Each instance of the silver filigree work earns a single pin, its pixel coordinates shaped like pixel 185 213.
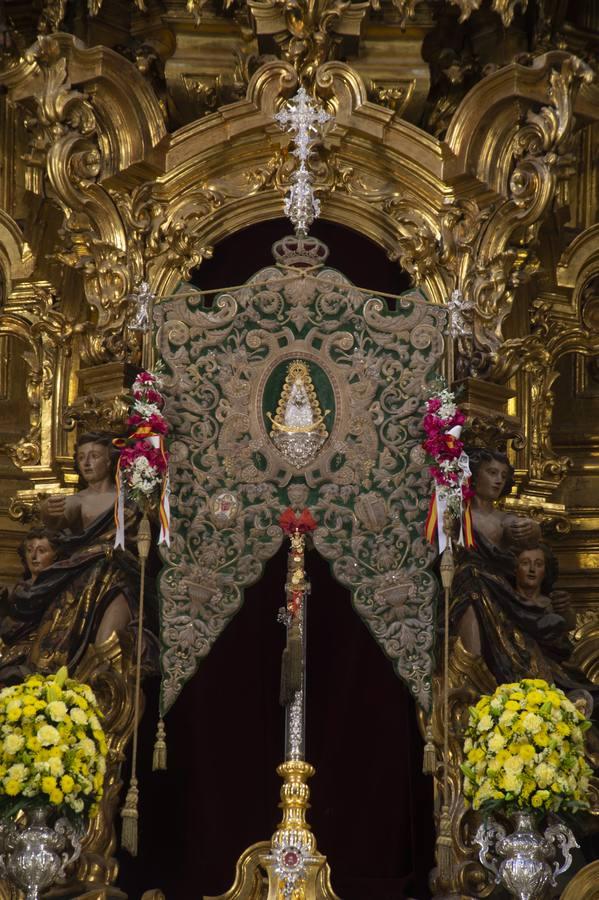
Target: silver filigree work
pixel 36 856
pixel 291 857
pixel 141 300
pixel 304 120
pixel 519 861
pixel 459 315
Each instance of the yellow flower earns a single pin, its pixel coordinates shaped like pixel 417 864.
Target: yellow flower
pixel 554 698
pixel 476 755
pixel 535 698
pixel 12 787
pixel 98 780
pixel 562 728
pixel 541 739
pixel 67 784
pixel 48 784
pixel 539 798
pixel 512 704
pixel 13 714
pixel 511 783
pixel 29 711
pixel 526 751
pixel 56 797
pixel 527 788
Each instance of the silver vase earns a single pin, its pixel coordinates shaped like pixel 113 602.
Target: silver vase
pixel 35 856
pixel 524 862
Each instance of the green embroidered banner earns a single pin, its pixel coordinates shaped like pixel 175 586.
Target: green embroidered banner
pixel 298 390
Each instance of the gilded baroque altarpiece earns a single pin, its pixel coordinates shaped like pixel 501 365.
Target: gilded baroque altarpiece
pixel 135 136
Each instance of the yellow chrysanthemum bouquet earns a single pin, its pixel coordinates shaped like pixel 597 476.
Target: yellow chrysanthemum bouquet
pixel 52 746
pixel 524 748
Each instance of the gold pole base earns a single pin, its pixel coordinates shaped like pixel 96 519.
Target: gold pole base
pixel 291 857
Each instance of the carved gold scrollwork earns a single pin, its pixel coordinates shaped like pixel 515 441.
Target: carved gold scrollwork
pixel 487 249
pixel 45 335
pixel 468 679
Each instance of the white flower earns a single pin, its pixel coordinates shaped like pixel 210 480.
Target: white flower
pixel 485 723
pixel 18 772
pixel 13 743
pixel 75 803
pixel 512 783
pixel 88 746
pixel 55 766
pixel 78 716
pixel 48 735
pixel 532 723
pixel 497 742
pixel 513 764
pixel 57 710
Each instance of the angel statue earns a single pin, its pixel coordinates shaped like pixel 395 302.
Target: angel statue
pixel 85 591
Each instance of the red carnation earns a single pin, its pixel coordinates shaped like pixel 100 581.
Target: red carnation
pixel 158 424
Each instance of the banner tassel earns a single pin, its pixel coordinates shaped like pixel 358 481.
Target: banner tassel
pixel 130 817
pixel 429 760
pixel 159 757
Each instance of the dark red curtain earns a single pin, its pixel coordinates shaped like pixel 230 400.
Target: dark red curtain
pixel 371 806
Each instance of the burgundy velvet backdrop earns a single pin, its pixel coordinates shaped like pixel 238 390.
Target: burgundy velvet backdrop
pixel 371 806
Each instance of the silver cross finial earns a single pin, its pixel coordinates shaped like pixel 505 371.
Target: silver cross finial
pixel 304 120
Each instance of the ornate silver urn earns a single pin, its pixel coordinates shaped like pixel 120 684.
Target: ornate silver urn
pixel 35 856
pixel 524 861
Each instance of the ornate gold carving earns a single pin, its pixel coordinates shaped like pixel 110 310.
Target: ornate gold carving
pixel 586 650
pixel 307 33
pixel 255 876
pixel 108 669
pixel 251 881
pixel 583 885
pixel 468 679
pixel 53 12
pixel 504 8
pixel 46 335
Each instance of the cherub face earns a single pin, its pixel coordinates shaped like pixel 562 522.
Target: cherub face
pixel 530 569
pixel 39 554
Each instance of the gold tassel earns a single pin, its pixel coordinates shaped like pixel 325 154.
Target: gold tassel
pixel 429 759
pixel 159 757
pixel 130 818
pixel 445 849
